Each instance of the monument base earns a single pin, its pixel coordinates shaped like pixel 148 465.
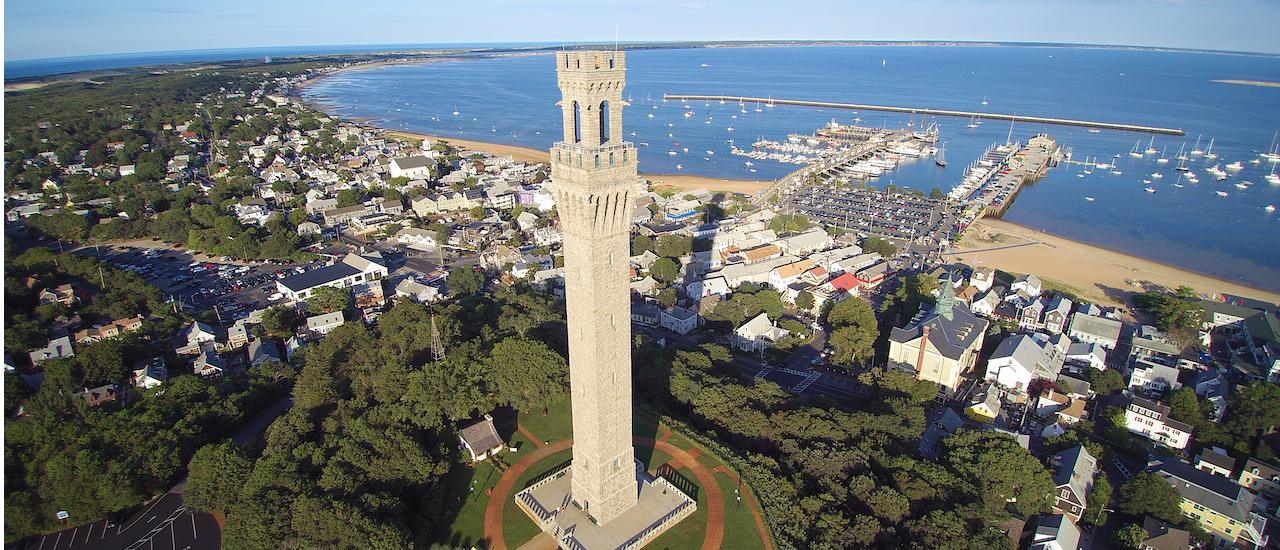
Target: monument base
pixel 659 507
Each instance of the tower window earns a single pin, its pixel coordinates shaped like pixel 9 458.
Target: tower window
pixel 624 156
pixel 558 156
pixel 604 122
pixel 610 159
pixel 597 161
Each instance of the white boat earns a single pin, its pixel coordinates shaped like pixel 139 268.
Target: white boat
pixel 711 152
pixel 1090 199
pixel 688 114
pixel 1151 148
pixel 679 167
pixel 686 149
pixel 1163 159
pixel 1270 208
pixel 1157 175
pixel 1208 151
pixel 671 152
pixel 1181 155
pixel 729 128
pixel 1195 151
pixel 1135 153
pixel 984 100
pixel 1150 190
pixel 1242 185
pixel 650 115
pixel 1221 193
pixel 1272 178
pixel 1235 166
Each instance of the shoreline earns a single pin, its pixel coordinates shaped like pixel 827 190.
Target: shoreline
pixel 1097 274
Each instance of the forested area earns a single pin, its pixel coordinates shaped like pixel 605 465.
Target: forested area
pixel 92 461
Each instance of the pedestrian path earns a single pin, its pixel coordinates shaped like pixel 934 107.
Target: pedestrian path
pixel 808 381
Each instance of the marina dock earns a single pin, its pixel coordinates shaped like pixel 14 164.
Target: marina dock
pixel 936 112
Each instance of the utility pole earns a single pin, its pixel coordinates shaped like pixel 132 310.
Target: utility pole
pixel 437 347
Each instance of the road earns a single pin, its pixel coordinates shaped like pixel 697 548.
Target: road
pixel 165 524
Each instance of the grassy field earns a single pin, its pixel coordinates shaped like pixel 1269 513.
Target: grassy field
pixel 740 529
pixel 690 532
pixel 468 524
pixel 557 425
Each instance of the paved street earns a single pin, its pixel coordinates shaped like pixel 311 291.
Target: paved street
pixel 162 525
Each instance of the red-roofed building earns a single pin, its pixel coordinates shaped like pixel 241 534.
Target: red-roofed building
pixel 847 283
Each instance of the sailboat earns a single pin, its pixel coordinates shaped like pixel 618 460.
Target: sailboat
pixel 1086 163
pixel 1134 152
pixel 455 110
pixel 1151 148
pixel 1181 154
pixel 1163 159
pixel 973 122
pixel 1196 151
pixel 1272 178
pixel 942 156
pixel 1272 153
pixel 1208 151
pixel 984 100
pixel 758 109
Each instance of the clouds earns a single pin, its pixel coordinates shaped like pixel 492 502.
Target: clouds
pixel 38 29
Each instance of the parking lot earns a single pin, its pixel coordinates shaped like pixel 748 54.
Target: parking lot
pixel 199 281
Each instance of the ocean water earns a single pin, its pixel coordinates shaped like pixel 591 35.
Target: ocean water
pixel 512 100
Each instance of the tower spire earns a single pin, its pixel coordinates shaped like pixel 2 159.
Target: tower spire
pixel 946 298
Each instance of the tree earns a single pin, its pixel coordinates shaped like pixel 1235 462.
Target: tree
pixel 937 193
pixel 328 299
pixel 1184 406
pixel 880 246
pixel 216 474
pixel 671 245
pixel 1105 381
pixel 464 280
pixel 1130 536
pixel 1098 500
pixel 1172 313
pixel 349 197
pixel 298 216
pixel 641 244
pixel 999 470
pixel 1149 494
pixel 478 213
pixel 804 300
pixel 1254 407
pixel 664 270
pixel 280 321
pixel 528 374
pixel 667 297
pixel 713 213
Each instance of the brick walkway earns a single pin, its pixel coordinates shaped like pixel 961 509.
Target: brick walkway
pixel 493 513
pixel 715 497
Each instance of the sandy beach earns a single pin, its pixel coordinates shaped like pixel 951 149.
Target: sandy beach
pixel 1095 274
pixel 675 181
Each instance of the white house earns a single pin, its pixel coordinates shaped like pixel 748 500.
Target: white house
pixel 322 324
pixel 1151 420
pixel 1020 359
pixel 416 237
pixel 679 319
pixel 708 287
pixel 353 269
pixel 1029 284
pixel 416 291
pixel 1095 330
pixel 758 333
pixel 411 167
pixel 149 373
pixel 481 439
pixel 1055 532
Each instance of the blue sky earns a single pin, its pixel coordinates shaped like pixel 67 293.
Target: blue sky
pixel 59 28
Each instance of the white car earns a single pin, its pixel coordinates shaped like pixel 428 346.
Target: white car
pixel 275 296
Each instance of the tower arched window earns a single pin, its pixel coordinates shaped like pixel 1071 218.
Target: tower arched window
pixel 597 161
pixel 604 122
pixel 610 159
pixel 577 122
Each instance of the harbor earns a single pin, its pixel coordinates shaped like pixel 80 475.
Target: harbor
pixel 937 112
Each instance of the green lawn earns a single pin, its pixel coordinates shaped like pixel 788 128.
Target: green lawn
pixel 691 531
pixel 652 458
pixel 740 529
pixel 557 425
pixel 466 506
pixel 517 528
pixel 710 461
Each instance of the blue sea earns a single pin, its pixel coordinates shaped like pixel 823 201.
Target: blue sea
pixel 512 100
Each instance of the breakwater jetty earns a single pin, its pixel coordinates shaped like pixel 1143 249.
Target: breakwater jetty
pixel 936 112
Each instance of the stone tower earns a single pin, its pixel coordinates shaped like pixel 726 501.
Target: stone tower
pixel 594 183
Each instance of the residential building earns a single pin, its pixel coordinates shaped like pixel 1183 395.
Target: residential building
pixel 63 294
pixel 237 334
pixel 208 363
pixel 99 395
pixel 1028 283
pixel 1151 420
pixel 645 313
pixel 1073 481
pixel 417 292
pixel 679 320
pixel 1020 359
pixel 263 350
pixel 411 167
pixel 322 324
pixel 1223 314
pixel 416 238
pixel 57 348
pixel 1093 329
pixel 109 330
pixel 942 423
pixel 758 333
pixel 1215 461
pixel 985 405
pixel 192 336
pixel 805 243
pixel 1055 532
pixel 1029 317
pixel 1260 477
pixel 346 214
pixel 1056 313
pixel 149 373
pixel 939 344
pixel 1163 536
pixel 1081 356
pixel 481 439
pixel 1224 509
pixel 982 278
pixel 1152 377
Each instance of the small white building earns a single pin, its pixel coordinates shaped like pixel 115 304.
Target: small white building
pixel 1151 420
pixel 322 324
pixel 678 319
pixel 758 333
pixel 149 373
pixel 481 439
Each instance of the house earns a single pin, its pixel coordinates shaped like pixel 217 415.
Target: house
pixel 1224 314
pixel 1082 355
pixel 1074 412
pixel 1027 283
pixel 1151 420
pixel 939 344
pixel 1152 377
pixel 208 363
pixel 942 423
pixel 335 216
pixel 110 330
pixel 496 257
pixel 263 350
pixel 1212 385
pixel 411 167
pixel 1073 481
pixel 782 276
pixel 527 220
pixel 369 294
pixel 1055 532
pixel 322 324
pixel 1224 509
pixel 416 291
pixel 985 304
pixel 982 278
pixel 1163 536
pixel 192 336
pixel 871 277
pixel 292 345
pixel 805 243
pixel 1074 386
pixel 985 405
pixel 679 320
pixel 1093 329
pixel 98 395
pixel 645 313
pixel 758 333
pixel 708 287
pixel 1050 402
pixel 149 373
pixel 237 334
pixel 1215 461
pixel 1055 315
pixel 1260 477
pixel 308 228
pixel 1020 359
pixel 1262 335
pixel 351 270
pixel 416 238
pixel 1029 315
pixel 57 348
pixel 63 294
pixel 481 439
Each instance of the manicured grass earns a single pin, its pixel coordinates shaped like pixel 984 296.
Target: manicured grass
pixel 710 461
pixel 517 528
pixel 656 459
pixel 681 441
pixel 691 531
pixel 740 529
pixel 467 528
pixel 557 425
pixel 518 441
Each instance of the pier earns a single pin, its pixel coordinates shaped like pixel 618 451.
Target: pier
pixel 936 112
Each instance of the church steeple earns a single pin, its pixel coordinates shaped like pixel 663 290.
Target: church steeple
pixel 946 298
